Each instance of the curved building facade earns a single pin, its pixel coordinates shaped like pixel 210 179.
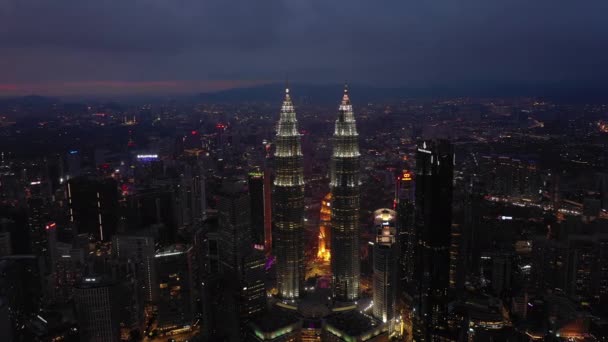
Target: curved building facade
pixel 288 204
pixel 385 266
pixel 345 204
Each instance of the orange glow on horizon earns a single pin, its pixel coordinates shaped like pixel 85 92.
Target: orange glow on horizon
pixel 121 87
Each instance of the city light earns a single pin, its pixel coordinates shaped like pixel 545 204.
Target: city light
pixel 323 252
pixel 147 157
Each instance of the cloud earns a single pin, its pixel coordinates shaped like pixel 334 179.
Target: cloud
pixel 386 42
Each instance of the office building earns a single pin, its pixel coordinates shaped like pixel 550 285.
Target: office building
pixel 5 243
pixel 138 250
pixel 434 177
pixel 256 190
pixel 97 309
pixel 288 204
pixel 385 278
pixel 175 289
pixel 234 220
pixel 345 261
pixel 93 206
pixel 406 234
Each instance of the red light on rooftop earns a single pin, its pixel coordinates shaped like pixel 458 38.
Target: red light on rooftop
pixel 194 132
pixel 50 226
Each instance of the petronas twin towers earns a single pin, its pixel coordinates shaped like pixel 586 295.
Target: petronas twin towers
pixel 289 204
pixel 345 206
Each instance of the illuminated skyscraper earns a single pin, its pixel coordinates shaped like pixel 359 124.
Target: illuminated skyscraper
pixel 404 205
pixel 345 205
pixel 175 288
pixel 288 204
pixel 385 265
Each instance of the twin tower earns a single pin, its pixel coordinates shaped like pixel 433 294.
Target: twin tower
pixel 289 205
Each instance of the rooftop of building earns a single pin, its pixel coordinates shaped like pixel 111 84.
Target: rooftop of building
pixel 93 281
pixel 274 320
pixel 352 323
pixel 171 250
pixel 233 187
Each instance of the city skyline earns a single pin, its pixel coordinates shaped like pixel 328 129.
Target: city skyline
pixel 216 221
pixel 303 171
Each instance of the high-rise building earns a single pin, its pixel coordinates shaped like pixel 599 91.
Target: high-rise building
pixel 97 309
pixel 234 216
pixel 74 164
pixel 37 216
pixel 6 329
pixel 5 243
pixel 267 203
pixel 153 207
pixel 191 197
pixel 174 277
pixel 66 271
pixel 385 266
pixel 345 204
pixel 22 282
pixel 434 177
pixel 406 237
pixel 236 293
pixel 502 272
pixel 581 273
pixel 93 206
pixel 256 191
pixel 64 263
pixel 456 260
pixel 504 175
pixel 288 204
pixel 241 261
pixel 253 290
pixel 138 250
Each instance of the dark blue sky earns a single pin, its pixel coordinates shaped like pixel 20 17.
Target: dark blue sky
pixel 62 47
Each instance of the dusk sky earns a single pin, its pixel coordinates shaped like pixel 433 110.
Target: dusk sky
pixel 66 47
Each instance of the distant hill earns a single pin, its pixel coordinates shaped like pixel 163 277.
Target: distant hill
pixel 559 92
pixel 564 92
pixel 28 101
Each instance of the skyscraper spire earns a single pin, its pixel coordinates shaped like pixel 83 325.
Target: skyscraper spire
pixel 288 124
pixel 345 206
pixel 288 203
